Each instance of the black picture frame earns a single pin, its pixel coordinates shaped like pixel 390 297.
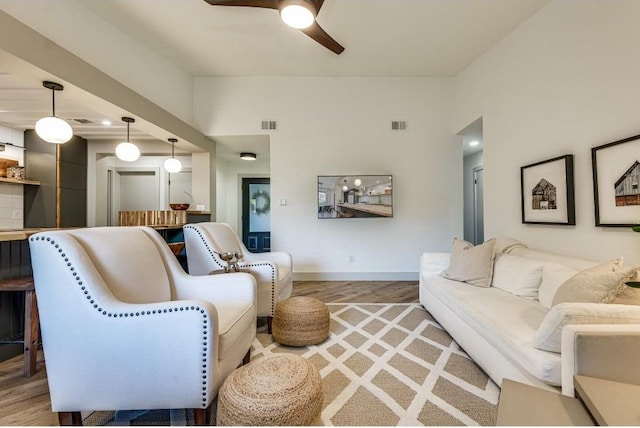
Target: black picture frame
pixel 547 192
pixel 616 188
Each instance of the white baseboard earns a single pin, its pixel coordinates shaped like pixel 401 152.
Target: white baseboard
pixel 355 276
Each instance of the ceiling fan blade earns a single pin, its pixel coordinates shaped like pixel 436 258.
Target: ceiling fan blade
pixel 318 4
pixel 267 4
pixel 319 35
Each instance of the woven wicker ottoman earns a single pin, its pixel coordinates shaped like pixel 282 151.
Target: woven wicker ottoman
pixel 300 321
pixel 279 389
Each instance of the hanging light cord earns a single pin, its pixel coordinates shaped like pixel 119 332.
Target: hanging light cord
pixel 53 102
pixel 173 144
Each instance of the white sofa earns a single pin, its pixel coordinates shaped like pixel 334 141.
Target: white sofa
pixel 497 328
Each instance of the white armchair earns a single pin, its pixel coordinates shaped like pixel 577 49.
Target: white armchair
pixel 272 270
pixel 124 327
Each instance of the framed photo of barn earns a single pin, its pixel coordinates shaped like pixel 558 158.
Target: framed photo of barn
pixel 616 182
pixel 547 192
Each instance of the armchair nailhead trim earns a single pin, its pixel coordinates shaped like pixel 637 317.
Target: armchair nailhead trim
pixel 205 316
pixel 217 261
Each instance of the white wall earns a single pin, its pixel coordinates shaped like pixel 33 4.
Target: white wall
pixel 562 83
pixel 334 126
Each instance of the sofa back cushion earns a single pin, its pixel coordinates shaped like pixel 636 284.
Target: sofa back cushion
pixel 573 262
pixel 553 276
pixel 473 265
pixel 517 275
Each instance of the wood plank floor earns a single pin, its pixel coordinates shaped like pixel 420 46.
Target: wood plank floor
pixel 25 401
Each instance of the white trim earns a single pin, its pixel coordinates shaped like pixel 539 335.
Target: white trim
pixel 355 276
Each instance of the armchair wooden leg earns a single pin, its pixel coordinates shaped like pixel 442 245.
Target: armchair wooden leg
pixel 31 333
pixel 247 358
pixel 69 419
pixel 202 416
pixel 269 324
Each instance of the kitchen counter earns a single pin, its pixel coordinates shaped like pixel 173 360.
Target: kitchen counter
pixel 23 234
pixel 380 210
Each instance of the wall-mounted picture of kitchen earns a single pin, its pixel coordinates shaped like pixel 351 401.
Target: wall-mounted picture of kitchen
pixel 355 196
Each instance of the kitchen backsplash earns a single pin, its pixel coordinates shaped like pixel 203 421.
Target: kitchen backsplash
pixel 12 195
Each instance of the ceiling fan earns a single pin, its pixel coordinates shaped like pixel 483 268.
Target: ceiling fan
pixel 299 14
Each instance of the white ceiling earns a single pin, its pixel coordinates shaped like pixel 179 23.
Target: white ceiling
pixel 389 38
pixel 381 37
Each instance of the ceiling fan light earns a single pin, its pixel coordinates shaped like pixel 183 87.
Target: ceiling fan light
pixel 54 130
pixel 127 151
pixel 297 13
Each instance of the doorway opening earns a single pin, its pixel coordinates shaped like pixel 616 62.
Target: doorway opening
pixel 473 182
pixel 256 214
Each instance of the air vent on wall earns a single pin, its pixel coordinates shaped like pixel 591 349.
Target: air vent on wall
pixel 269 125
pixel 398 125
pixel 83 121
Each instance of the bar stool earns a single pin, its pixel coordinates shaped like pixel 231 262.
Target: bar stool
pixel 31 320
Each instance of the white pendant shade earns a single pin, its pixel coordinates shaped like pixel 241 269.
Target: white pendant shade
pixel 127 151
pixel 173 165
pixel 297 14
pixel 54 130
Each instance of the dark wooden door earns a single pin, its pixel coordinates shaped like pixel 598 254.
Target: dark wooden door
pixel 256 214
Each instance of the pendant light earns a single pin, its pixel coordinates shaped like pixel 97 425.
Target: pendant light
pixel 52 129
pixel 173 165
pixel 127 151
pixel 297 13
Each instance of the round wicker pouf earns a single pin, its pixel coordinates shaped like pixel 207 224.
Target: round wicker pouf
pixel 278 389
pixel 300 321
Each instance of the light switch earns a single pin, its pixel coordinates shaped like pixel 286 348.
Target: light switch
pixel 283 202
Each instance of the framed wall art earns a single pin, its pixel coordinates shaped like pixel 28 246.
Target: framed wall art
pixel 547 192
pixel 616 177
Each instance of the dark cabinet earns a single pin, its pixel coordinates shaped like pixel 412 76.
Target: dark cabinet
pixel 61 169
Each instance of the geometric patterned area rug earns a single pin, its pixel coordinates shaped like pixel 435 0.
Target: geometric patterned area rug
pixel 382 365
pixel 393 364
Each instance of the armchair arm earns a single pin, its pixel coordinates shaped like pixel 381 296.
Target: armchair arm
pixel 239 286
pixel 434 263
pixel 607 351
pixel 280 258
pixel 129 350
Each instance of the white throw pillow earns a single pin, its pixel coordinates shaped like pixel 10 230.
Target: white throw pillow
pixel 599 284
pixel 470 264
pixel 517 275
pixel 553 276
pixel 549 334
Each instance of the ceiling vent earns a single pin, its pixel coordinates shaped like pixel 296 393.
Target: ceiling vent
pixel 269 125
pixel 83 121
pixel 398 125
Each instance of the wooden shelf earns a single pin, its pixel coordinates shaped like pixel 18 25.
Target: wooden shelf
pixel 15 181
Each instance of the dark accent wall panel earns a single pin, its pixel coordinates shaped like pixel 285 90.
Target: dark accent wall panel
pixel 59 168
pixel 73 208
pixel 72 183
pixel 40 165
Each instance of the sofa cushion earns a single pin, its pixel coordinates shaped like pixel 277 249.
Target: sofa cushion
pixel 506 321
pixel 553 276
pixel 517 275
pixel 548 337
pixel 599 284
pixel 470 264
